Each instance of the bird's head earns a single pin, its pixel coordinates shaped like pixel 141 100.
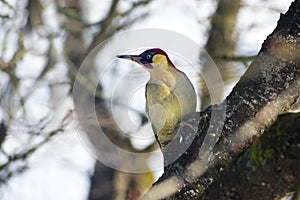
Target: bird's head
pixel 151 59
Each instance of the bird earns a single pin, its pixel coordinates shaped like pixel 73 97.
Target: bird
pixel 170 95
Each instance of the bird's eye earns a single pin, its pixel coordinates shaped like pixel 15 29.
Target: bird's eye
pixel 148 57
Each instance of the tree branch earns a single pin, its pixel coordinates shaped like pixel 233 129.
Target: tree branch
pixel 107 30
pixel 7 4
pixel 5 168
pixel 267 170
pixel 269 87
pixel 234 58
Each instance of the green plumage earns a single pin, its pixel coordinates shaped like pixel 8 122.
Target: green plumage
pixel 170 96
pixel 168 100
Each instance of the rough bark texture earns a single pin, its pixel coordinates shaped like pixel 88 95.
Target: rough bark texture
pixel 267 170
pixel 268 88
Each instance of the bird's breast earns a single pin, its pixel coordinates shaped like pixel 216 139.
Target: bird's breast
pixel 161 103
pixel 168 100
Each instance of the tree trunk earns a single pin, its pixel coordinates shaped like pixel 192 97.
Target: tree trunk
pixel 221 41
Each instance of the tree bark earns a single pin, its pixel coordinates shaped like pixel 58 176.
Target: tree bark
pixel 267 170
pixel 270 86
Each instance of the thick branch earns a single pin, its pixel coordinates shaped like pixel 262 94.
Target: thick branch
pixel 267 170
pixel 269 87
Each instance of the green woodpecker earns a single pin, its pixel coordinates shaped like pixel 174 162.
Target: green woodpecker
pixel 169 93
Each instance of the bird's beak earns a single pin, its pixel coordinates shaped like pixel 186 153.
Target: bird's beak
pixel 135 58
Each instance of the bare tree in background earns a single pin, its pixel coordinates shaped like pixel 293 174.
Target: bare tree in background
pixel 69 33
pixel 222 40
